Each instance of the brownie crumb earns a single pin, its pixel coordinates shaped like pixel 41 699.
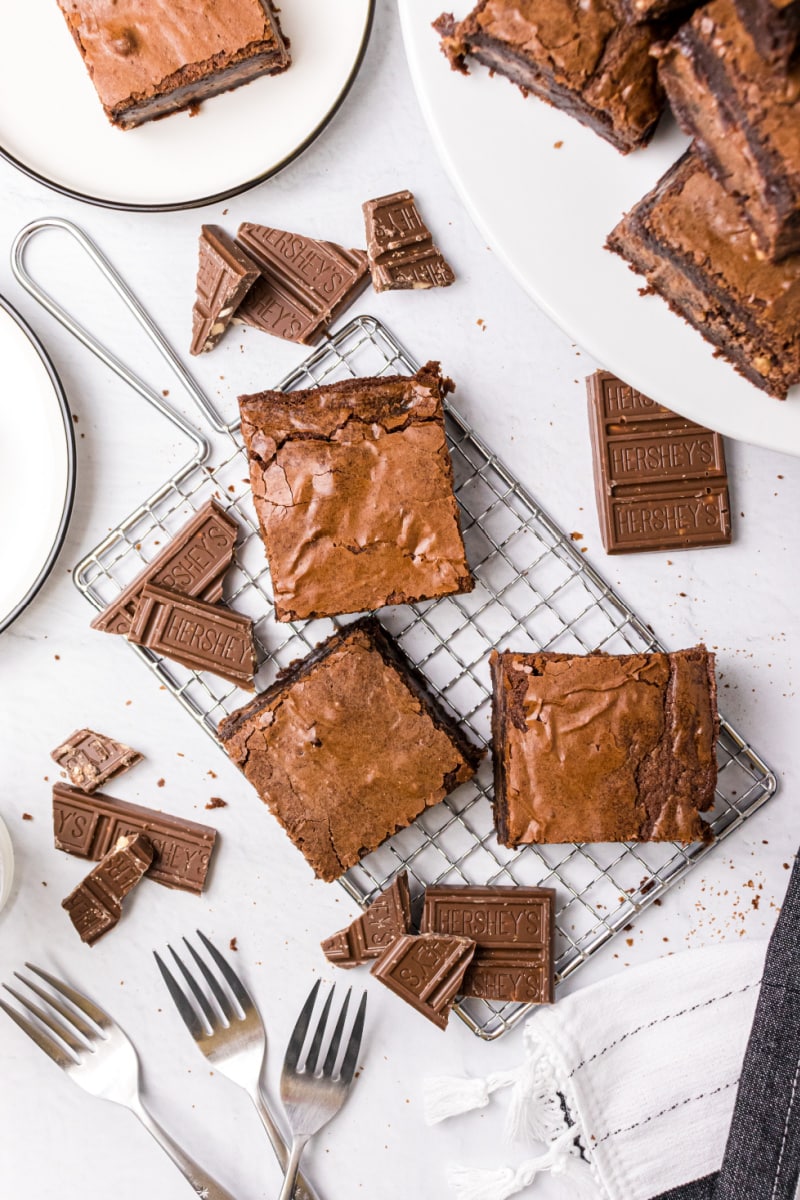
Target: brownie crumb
pixel 160 783
pixel 232 944
pixel 217 802
pixel 27 817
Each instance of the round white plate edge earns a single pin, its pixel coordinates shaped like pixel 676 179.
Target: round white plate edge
pixel 230 106
pixel 778 429
pixel 53 539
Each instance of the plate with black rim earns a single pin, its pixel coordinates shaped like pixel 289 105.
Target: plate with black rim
pixel 53 127
pixel 37 465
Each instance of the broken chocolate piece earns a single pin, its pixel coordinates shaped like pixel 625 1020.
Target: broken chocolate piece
pixel 194 562
pixel 386 918
pixel 427 971
pixel 304 283
pixel 90 759
pixel 513 929
pixel 660 480
pixel 89 825
pixel 202 637
pixel 225 275
pixel 400 247
pixel 95 906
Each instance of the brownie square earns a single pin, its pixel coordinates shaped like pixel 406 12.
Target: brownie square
pixel 149 58
pixel 348 747
pixel 690 241
pixel 604 748
pixel 353 487
pixel 587 59
pixel 744 117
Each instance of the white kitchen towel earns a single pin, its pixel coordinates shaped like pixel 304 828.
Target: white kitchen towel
pixel 630 1083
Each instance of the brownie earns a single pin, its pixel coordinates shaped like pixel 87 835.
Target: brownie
pixel 348 747
pixel 353 487
pixel 587 59
pixel 690 241
pixel 774 26
pixel 744 116
pixel 655 10
pixel 602 747
pixel 149 58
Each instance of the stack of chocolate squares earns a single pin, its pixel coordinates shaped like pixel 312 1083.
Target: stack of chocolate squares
pixel 492 943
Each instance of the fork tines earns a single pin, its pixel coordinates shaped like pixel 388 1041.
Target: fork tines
pixel 310 1060
pixel 62 1032
pixel 233 1004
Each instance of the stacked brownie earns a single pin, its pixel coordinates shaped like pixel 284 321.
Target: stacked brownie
pixel 718 237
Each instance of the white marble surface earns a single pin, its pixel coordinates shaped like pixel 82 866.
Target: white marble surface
pixel 521 384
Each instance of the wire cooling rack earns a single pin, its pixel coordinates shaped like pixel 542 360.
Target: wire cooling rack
pixel 533 590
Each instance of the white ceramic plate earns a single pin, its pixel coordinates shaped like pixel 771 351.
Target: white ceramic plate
pixel 52 124
pixel 37 465
pixel 547 211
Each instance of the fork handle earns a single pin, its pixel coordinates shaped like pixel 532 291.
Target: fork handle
pixel 303 1189
pixel 292 1167
pixel 203 1183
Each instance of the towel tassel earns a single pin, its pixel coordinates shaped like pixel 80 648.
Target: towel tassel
pixel 475 1183
pixel 448 1095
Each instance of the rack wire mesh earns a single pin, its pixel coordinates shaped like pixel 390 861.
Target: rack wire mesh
pixel 534 590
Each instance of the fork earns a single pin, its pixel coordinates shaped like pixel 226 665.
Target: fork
pixel 236 1043
pixel 100 1058
pixel 311 1098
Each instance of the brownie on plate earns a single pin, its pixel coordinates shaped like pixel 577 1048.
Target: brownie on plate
pixel 353 487
pixel 149 58
pixel 602 747
pixel 585 58
pixel 692 244
pixel 744 116
pixel 348 747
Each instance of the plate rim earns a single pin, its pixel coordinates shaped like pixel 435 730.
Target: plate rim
pixel 217 197
pixel 72 473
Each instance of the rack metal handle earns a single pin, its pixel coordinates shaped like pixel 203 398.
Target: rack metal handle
pixel 87 339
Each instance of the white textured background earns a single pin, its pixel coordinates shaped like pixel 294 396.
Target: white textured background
pixel 521 385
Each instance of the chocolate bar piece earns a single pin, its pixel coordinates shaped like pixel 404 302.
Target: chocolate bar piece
pixel 660 480
pixel 193 562
pixel 304 283
pixel 427 971
pixel 202 637
pixel 90 759
pixel 89 825
pixel 387 918
pixel 225 275
pixel 95 906
pixel 513 930
pixel 400 248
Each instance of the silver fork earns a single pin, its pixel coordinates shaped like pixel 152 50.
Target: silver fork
pixel 98 1055
pixel 235 1042
pixel 310 1097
